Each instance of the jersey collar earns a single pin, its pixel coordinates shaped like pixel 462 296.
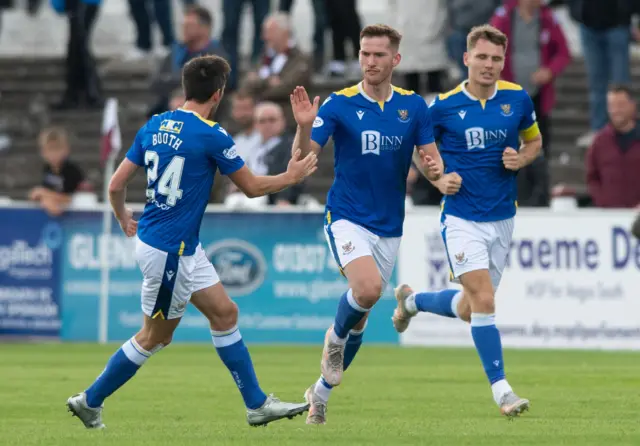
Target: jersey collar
pixel 369 98
pixel 463 85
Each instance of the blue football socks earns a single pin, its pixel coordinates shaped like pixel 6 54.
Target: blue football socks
pixel 442 303
pixel 235 356
pixel 348 315
pixel 121 367
pixel 486 338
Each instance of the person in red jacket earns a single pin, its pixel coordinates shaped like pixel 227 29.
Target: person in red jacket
pixel 536 55
pixel 613 160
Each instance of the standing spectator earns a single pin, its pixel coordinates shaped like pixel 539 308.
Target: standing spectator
pixel 232 10
pixel 82 81
pixel 143 17
pixel 196 29
pixel 283 66
pixel 62 177
pixel 345 26
pixel 537 53
pixel 319 26
pixel 423 43
pixel 613 160
pixel 605 34
pixel 462 16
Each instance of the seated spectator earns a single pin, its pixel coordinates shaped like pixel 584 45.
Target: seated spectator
pixel 62 177
pixel 177 99
pixel 196 29
pixel 613 160
pixel 270 156
pixel 243 127
pixel 283 66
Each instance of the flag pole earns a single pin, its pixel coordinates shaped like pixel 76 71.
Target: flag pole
pixel 111 142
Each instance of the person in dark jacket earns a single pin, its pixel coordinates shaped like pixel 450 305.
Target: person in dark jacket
pixel 196 29
pixel 82 80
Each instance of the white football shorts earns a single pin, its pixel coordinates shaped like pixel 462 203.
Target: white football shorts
pixel 349 241
pixel 473 246
pixel 169 280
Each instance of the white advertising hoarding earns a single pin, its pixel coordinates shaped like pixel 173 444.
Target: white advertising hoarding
pixel 572 281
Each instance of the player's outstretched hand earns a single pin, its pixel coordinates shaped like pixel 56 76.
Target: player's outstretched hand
pixel 304 111
pixel 432 169
pixel 299 169
pixel 449 184
pixel 128 224
pixel 511 159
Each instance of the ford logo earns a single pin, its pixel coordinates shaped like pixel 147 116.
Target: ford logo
pixel 240 265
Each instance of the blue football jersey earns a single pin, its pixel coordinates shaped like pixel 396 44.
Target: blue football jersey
pixel 471 135
pixel 180 152
pixel 374 143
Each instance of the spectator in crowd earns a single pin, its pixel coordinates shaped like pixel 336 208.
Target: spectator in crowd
pixel 144 13
pixel 62 177
pixel 232 10
pixel 423 43
pixel 243 128
pixel 270 156
pixel 345 26
pixel 536 55
pixel 177 99
pixel 613 160
pixel 605 35
pixel 463 15
pixel 196 29
pixel 319 27
pixel 82 81
pixel 283 66
pixel 421 191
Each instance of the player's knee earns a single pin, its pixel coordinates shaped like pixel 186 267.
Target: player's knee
pixel 482 302
pixel 225 317
pixel 367 292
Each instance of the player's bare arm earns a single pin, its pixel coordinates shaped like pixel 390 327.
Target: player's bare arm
pixel 529 151
pixel 305 112
pixel 118 194
pixel 256 186
pixel 429 160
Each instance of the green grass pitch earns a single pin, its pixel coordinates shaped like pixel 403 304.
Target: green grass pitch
pixel 391 396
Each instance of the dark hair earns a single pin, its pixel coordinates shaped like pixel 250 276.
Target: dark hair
pixel 621 88
pixel 381 30
pixel 488 33
pixel 203 14
pixel 244 94
pixel 203 76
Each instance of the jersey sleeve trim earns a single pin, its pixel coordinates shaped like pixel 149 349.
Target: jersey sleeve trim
pixel 530 133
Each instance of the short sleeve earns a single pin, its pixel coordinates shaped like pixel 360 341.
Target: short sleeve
pixel 325 123
pixel 528 126
pixel 425 126
pixel 73 178
pixel 223 152
pixel 434 118
pixel 135 154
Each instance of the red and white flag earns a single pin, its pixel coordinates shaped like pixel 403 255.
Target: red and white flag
pixel 111 137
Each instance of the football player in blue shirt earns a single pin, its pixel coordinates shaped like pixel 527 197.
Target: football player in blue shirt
pixel 376 128
pixel 180 151
pixel 479 125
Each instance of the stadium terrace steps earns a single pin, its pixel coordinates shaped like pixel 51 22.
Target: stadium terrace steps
pixel 29 84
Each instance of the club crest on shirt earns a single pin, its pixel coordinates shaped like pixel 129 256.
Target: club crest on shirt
pixel 347 248
pixel 403 115
pixel 461 259
pixel 506 110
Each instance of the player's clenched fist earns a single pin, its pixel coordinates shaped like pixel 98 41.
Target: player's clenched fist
pixel 299 169
pixel 511 159
pixel 128 224
pixel 304 111
pixel 449 184
pixel 431 168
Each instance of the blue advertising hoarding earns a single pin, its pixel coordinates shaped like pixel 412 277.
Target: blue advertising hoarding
pixel 30 245
pixel 275 266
